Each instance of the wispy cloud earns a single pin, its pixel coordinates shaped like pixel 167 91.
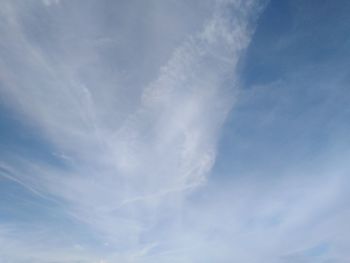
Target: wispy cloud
pixel 136 135
pixel 126 101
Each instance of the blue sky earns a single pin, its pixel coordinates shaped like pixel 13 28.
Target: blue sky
pixel 174 131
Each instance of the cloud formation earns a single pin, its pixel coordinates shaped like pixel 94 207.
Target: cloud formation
pixel 133 117
pixel 119 142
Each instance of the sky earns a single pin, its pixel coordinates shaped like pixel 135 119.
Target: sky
pixel 174 131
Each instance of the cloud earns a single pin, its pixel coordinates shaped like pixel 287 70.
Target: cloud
pixel 137 126
pixel 129 99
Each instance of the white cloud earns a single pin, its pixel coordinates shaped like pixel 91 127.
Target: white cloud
pixel 135 143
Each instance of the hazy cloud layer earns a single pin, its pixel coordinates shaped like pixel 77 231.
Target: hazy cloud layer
pixel 131 102
pixel 122 145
